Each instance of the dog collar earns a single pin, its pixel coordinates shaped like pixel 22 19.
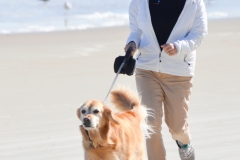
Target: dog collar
pixel 90 141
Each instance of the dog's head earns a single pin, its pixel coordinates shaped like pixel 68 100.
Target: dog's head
pixel 95 115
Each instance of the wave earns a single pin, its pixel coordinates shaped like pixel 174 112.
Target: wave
pixel 216 15
pixel 85 21
pixel 73 22
pixel 106 15
pixel 4 31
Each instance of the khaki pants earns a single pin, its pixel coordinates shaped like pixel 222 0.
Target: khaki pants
pixel 158 90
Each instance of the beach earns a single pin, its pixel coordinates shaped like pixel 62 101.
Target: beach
pixel 45 77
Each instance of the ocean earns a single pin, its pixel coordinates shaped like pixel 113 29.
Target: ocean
pixel 23 16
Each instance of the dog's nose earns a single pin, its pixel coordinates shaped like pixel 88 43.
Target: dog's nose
pixel 86 122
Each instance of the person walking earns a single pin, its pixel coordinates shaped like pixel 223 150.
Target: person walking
pixel 166 34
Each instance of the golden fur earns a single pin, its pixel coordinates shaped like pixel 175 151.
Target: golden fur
pixel 115 136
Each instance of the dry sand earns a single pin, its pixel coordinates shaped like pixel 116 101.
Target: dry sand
pixel 44 77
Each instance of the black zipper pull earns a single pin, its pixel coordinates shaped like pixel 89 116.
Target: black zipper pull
pixel 187 62
pixel 139 56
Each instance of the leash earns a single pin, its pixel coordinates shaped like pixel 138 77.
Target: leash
pixel 115 78
pixel 127 56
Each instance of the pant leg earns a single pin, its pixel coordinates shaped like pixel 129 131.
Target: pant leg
pixel 177 92
pixel 152 96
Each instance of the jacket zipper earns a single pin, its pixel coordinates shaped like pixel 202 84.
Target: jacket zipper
pixel 160 61
pixel 160 54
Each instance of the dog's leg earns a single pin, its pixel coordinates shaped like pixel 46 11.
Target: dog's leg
pixel 85 156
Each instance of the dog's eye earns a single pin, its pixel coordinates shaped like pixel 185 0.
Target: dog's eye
pixel 83 111
pixel 96 111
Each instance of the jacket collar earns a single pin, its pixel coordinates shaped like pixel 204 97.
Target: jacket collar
pixel 187 1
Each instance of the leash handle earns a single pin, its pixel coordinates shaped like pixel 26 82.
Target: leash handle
pixel 129 52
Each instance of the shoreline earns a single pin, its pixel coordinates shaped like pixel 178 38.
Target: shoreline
pixel 100 28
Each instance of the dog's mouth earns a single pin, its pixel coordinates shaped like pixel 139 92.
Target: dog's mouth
pixel 89 124
pixel 88 127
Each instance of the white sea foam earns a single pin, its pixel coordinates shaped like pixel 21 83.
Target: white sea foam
pixel 104 15
pixel 35 28
pixel 77 22
pixel 105 19
pixel 5 31
pixel 214 15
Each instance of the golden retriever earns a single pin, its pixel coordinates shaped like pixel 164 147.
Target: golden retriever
pixel 114 136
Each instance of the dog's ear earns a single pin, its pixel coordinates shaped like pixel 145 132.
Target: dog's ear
pixel 84 134
pixel 107 118
pixel 108 113
pixel 78 113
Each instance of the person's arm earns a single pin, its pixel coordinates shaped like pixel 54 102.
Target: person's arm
pixel 134 37
pixel 196 34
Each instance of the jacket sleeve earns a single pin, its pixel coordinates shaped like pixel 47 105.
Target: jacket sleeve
pixel 135 32
pixel 197 32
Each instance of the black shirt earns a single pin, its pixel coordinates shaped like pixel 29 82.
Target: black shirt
pixel 164 16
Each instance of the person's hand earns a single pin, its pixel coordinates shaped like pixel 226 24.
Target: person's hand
pixel 131 44
pixel 170 49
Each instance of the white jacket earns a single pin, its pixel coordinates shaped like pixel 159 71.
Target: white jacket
pixel 187 35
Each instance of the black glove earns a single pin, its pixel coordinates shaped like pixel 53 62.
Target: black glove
pixel 129 65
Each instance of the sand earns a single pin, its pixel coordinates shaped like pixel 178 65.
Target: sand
pixel 44 77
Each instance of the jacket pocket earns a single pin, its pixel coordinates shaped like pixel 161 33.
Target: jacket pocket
pixel 189 59
pixel 186 62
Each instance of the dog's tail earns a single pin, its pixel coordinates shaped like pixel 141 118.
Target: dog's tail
pixel 125 99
